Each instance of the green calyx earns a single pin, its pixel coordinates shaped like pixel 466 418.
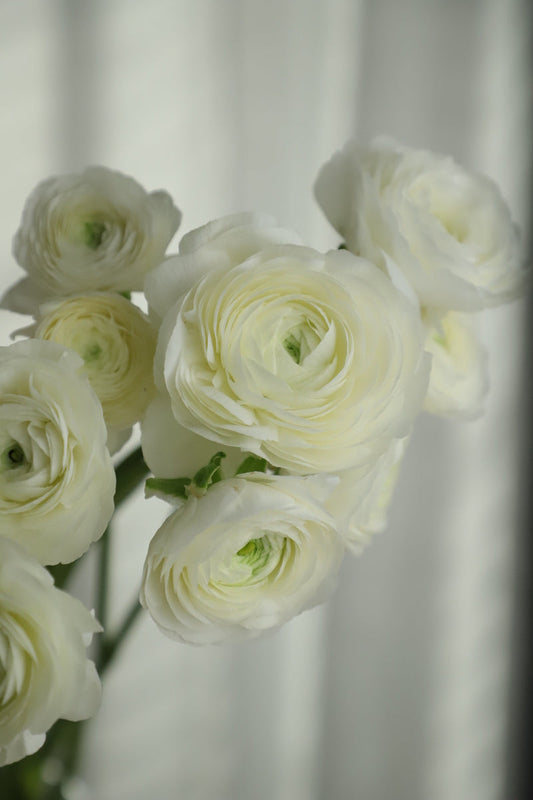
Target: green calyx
pixel 183 488
pixel 252 464
pixel 211 473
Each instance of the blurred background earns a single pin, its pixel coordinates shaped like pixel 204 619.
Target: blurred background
pixel 400 688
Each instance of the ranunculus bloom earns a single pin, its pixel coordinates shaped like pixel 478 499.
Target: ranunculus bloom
pixel 458 382
pixel 97 230
pixel 117 344
pixel 246 557
pixel 362 497
pixel 56 477
pixel 44 670
pixel 223 242
pixel 314 362
pixel 447 229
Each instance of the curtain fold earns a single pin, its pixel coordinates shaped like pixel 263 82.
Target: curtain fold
pixel 397 688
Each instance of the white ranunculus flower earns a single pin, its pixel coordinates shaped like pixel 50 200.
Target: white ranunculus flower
pixel 117 344
pixel 314 362
pixel 56 477
pixel 246 557
pixel 221 243
pixel 44 671
pixel 449 230
pixel 458 382
pixel 362 497
pixel 97 230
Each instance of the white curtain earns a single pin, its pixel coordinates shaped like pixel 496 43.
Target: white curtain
pixel 395 689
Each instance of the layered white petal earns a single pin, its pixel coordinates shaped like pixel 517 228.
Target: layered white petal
pixel 362 497
pixel 459 380
pixel 56 477
pixel 243 559
pixel 172 451
pixel 221 243
pixel 314 362
pixel 448 230
pixel 117 344
pixel 44 670
pixel 97 230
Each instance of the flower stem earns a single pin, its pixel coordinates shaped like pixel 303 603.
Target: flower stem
pixel 110 645
pixel 103 577
pixel 42 775
pixel 130 473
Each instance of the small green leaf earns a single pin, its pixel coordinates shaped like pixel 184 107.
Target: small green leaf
pixel 211 473
pixel 127 295
pixel 252 464
pixel 172 487
pixel 342 246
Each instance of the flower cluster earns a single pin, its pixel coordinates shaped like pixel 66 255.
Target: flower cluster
pixel 447 234
pixel 69 394
pixel 276 387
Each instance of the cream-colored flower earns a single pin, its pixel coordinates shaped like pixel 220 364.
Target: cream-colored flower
pixel 223 242
pixel 56 477
pixel 243 559
pixel 458 381
pixel 44 671
pixel 97 230
pixel 362 497
pixel 117 344
pixel 314 362
pixel 449 230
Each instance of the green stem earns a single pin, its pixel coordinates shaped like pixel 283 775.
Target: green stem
pixel 42 775
pixel 130 473
pixel 111 645
pixel 24 780
pixel 103 577
pixel 65 749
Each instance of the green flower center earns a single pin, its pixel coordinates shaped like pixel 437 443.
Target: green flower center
pixel 259 558
pixel 91 353
pixel 12 457
pixel 255 554
pixel 258 562
pixel 300 341
pixel 293 348
pixel 94 232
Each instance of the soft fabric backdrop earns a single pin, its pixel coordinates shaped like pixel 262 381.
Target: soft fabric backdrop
pixel 396 689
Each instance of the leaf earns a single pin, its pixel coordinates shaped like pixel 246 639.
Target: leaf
pixel 211 473
pixel 171 487
pixel 252 464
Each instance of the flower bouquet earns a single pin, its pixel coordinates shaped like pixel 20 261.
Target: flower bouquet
pixel 275 386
